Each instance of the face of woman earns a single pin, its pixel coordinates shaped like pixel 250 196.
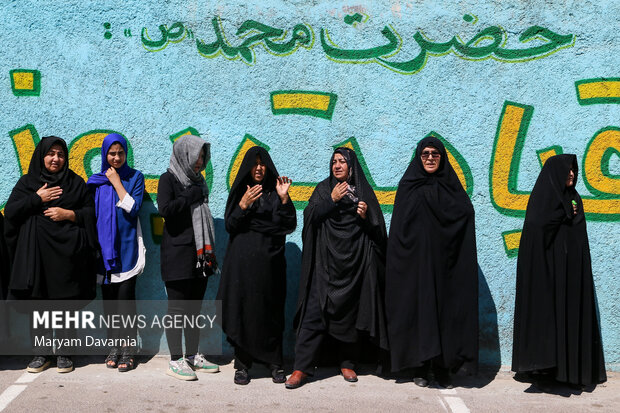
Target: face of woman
pixel 116 156
pixel 430 159
pixel 340 168
pixel 258 171
pixel 570 179
pixel 200 161
pixel 54 160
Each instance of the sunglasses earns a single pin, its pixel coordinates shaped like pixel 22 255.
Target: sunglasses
pixel 428 154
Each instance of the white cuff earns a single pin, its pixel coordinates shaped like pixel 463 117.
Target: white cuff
pixel 126 203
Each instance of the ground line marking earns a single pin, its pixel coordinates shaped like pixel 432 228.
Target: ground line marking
pixel 456 405
pixel 10 393
pixel 27 378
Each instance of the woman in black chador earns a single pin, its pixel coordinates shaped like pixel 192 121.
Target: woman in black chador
pixel 259 215
pixel 431 271
pixel 556 328
pixel 343 264
pixel 51 237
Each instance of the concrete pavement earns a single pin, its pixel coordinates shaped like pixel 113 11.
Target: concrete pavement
pixel 93 388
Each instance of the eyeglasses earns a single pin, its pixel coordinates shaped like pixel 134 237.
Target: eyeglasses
pixel 428 154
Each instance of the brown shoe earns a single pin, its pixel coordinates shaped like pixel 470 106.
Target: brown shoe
pixel 349 375
pixel 297 379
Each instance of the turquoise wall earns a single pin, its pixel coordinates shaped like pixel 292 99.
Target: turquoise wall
pixel 505 84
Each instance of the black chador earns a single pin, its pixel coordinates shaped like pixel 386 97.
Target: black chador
pixel 50 259
pixel 432 272
pixel 343 265
pixel 253 284
pixel 555 325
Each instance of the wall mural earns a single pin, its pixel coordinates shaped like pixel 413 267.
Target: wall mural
pixel 503 86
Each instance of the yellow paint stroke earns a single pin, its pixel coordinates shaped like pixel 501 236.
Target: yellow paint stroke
pixel 543 156
pixel 24 144
pixel 504 198
pixel 593 160
pixel 151 185
pixel 385 197
pixel 457 168
pixel 247 144
pixel 300 193
pixel 512 240
pixel 504 151
pixel 301 101
pixel 80 147
pixel 602 89
pixel 23 80
pixel 157 226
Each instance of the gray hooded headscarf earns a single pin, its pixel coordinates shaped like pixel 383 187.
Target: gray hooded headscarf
pixel 185 152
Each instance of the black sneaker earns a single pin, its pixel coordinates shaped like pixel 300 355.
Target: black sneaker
pixel 420 381
pixel 38 364
pixel 443 378
pixel 277 375
pixel 242 377
pixel 64 364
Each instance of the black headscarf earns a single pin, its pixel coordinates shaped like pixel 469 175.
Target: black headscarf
pixel 343 258
pixel 243 179
pixel 50 259
pixel 555 322
pixel 37 167
pixel 432 271
pixel 253 283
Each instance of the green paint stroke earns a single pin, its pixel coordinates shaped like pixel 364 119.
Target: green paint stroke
pixel 209 168
pixel 460 159
pixel 556 149
pixel 513 175
pixel 353 18
pixel 609 152
pixel 510 252
pixel 33 134
pixel 246 138
pixel 93 152
pixel 300 108
pixel 360 157
pixel 613 82
pixel 36 82
pixel 605 159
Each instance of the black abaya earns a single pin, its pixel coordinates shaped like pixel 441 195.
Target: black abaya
pixel 431 271
pixel 50 259
pixel 343 261
pixel 253 283
pixel 555 323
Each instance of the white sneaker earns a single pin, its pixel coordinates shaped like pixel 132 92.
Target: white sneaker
pixel 200 363
pixel 180 369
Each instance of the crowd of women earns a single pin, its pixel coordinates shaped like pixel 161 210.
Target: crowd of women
pixel 407 300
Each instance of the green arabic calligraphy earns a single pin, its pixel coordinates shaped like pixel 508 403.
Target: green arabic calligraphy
pixel 487 43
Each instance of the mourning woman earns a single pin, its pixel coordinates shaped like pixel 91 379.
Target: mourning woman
pixel 343 264
pixel 556 330
pixel 431 271
pixel 118 191
pixel 187 250
pixel 51 236
pixel 259 215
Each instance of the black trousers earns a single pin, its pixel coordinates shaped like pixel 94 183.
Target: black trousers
pixel 308 347
pixel 184 298
pixel 243 361
pixel 120 298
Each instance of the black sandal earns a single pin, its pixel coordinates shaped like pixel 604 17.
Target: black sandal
pixel 126 360
pixel 111 361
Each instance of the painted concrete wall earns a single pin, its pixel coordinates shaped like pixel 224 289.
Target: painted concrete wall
pixel 505 84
